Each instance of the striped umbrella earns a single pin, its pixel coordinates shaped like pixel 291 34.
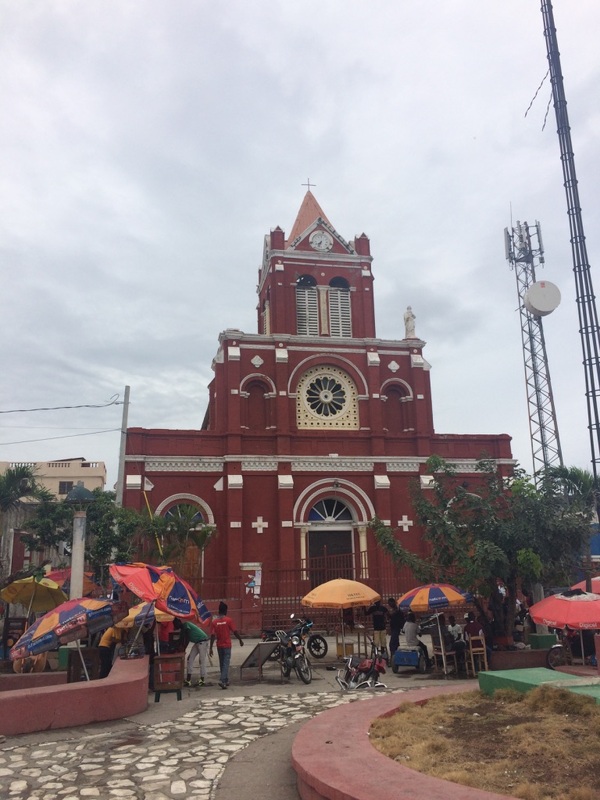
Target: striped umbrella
pixel 143 614
pixel 162 586
pixel 66 623
pixel 434 597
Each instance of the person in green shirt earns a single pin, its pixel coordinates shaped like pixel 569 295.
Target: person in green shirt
pixel 199 650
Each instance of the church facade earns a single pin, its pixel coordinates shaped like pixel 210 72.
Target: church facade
pixel 314 425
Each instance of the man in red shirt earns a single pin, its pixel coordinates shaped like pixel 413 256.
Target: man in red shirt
pixel 221 629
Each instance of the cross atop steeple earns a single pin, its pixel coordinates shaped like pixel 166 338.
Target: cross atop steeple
pixel 308 184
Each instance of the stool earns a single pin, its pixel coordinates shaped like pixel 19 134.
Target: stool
pixel 168 675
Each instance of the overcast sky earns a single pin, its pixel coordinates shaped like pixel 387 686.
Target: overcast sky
pixel 147 147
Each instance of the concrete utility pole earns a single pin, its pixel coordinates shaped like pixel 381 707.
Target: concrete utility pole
pixel 121 474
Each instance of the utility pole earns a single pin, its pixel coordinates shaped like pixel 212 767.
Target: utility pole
pixel 121 473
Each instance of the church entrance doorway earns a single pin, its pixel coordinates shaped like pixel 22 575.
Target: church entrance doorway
pixel 330 542
pixel 330 555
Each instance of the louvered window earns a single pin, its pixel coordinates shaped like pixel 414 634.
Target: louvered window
pixel 340 319
pixel 307 311
pixel 266 318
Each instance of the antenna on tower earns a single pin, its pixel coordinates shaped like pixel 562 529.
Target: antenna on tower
pixel 524 251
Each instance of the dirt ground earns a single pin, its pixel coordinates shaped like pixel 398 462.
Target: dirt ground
pixel 537 746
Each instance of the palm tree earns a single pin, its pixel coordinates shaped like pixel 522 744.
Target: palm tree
pixel 580 488
pixel 16 484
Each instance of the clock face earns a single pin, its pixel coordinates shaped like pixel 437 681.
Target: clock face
pixel 321 241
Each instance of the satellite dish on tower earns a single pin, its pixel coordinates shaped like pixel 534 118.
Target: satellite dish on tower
pixel 542 298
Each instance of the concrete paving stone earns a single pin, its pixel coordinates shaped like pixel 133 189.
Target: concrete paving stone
pixel 193 748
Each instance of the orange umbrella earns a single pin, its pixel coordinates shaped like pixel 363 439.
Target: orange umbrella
pixel 340 593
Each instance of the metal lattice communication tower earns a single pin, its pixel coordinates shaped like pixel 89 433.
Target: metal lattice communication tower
pixel 586 300
pixel 524 251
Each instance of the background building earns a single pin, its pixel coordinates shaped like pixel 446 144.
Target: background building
pixel 58 477
pixel 314 426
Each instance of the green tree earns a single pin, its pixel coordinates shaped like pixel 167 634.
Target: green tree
pixel 16 484
pixel 111 531
pixel 169 538
pixel 494 535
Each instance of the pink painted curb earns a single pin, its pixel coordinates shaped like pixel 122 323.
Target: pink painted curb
pixel 335 760
pixel 123 693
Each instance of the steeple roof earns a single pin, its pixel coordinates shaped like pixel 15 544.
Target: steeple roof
pixel 310 210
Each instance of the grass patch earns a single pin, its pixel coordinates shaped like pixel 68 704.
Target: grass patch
pixel 542 745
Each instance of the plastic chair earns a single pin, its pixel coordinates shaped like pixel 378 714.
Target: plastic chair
pixel 477 655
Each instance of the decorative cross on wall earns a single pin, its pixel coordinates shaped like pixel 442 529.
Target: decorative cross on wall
pixel 260 524
pixel 405 523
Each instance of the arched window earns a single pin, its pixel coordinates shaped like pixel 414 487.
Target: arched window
pixel 307 306
pixel 340 318
pixel 255 417
pixel 396 410
pixel 185 514
pixel 329 510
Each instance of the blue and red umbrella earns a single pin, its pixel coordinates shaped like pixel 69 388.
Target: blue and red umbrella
pixel 68 622
pixel 161 586
pixel 433 597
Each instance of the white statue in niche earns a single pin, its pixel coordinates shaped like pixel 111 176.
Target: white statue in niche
pixel 409 324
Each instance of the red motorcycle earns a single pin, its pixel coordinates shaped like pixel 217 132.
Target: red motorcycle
pixel 362 673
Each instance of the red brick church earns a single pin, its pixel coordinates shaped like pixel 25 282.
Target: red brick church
pixel 313 427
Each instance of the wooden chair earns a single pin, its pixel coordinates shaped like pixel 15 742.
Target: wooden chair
pixel 442 658
pixel 477 655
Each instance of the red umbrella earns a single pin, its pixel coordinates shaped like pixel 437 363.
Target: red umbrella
pixel 160 585
pixel 573 608
pixel 63 578
pixel 595 585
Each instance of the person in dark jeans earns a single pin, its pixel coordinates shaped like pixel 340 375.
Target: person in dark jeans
pixel 397 620
pixel 380 616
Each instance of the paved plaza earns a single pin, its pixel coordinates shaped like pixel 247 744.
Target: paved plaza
pixel 208 745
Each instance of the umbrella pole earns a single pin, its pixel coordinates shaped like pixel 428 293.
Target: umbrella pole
pixel 442 646
pixel 87 677
pixel 30 604
pixel 139 630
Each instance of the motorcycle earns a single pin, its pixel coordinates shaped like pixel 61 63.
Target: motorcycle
pixel 293 656
pixel 362 673
pixel 315 643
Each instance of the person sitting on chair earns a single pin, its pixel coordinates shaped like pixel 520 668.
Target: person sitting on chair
pixel 410 631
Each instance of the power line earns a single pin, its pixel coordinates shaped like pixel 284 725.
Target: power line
pixel 69 436
pixel 114 401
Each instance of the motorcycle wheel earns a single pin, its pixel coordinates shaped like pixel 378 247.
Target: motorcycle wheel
pixel 395 668
pixel 285 671
pixel 422 665
pixel 303 670
pixel 556 657
pixel 317 646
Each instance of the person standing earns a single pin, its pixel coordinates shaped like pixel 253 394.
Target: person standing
pixel 108 643
pixel 199 650
pixel 397 620
pixel 380 616
pixel 221 629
